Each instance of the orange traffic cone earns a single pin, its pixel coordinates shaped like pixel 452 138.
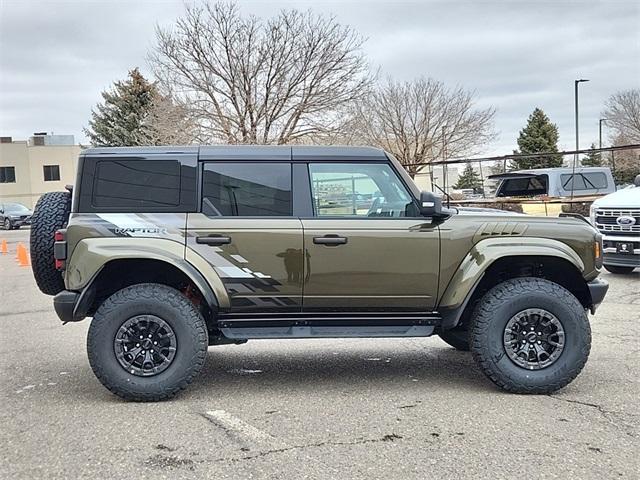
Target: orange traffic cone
pixel 23 257
pixel 3 247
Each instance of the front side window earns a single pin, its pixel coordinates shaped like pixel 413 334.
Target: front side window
pixel 51 173
pixel 247 189
pixel 359 190
pixel 7 174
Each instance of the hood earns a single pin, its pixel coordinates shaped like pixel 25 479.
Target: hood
pixel 625 198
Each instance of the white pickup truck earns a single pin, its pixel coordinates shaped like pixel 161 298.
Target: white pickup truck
pixel 617 217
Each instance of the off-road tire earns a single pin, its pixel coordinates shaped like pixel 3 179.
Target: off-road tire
pixel 492 315
pixel 172 307
pixel 457 338
pixel 51 213
pixel 619 270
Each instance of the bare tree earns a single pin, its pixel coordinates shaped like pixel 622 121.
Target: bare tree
pixel 622 111
pixel 169 123
pixel 421 120
pixel 248 80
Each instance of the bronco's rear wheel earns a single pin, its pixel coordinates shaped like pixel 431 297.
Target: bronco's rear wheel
pixel 51 213
pixel 147 342
pixel 530 335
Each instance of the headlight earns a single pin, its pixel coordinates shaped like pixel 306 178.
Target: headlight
pixel 592 215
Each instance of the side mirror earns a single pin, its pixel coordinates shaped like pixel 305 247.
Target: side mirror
pixel 430 205
pixel 636 181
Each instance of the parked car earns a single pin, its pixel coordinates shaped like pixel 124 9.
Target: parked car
pixel 555 182
pixel 173 249
pixel 617 217
pixel 548 191
pixel 14 215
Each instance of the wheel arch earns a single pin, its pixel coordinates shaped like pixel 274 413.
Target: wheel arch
pixel 501 259
pixel 100 266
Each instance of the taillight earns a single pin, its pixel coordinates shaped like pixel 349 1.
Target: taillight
pixel 60 249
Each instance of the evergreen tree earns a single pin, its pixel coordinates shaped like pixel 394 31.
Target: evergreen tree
pixel 538 136
pixel 121 119
pixel 469 179
pixel 592 159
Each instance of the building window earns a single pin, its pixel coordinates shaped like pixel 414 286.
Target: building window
pixel 51 173
pixel 7 174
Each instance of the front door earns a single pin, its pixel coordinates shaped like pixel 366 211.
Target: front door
pixel 246 231
pixel 366 248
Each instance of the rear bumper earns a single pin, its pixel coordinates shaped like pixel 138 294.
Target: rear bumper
pixel 598 289
pixel 72 306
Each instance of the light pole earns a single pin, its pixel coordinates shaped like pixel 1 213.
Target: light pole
pixel 600 131
pixel 444 158
pixel 575 156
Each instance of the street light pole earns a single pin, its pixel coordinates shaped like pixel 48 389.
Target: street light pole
pixel 444 158
pixel 575 157
pixel 600 131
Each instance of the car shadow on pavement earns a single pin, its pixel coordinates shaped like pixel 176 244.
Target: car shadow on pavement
pixel 337 368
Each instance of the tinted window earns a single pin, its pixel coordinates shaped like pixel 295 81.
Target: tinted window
pixel 51 173
pixel 359 189
pixel 247 189
pixel 584 181
pixel 518 187
pixel 136 184
pixel 7 174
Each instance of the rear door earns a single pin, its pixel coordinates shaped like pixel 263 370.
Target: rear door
pixel 246 230
pixel 366 247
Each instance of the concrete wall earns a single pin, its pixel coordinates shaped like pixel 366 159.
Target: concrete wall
pixel 28 162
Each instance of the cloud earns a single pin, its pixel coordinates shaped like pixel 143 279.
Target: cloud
pixel 56 57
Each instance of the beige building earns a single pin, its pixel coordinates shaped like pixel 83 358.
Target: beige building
pixel 44 163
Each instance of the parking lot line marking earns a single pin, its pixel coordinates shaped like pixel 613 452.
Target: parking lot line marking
pixel 242 429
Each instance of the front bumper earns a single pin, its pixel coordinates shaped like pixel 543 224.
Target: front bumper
pixel 598 289
pixel 622 259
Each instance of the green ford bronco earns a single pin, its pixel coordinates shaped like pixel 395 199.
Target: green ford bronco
pixel 173 249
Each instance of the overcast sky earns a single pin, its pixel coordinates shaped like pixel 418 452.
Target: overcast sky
pixel 57 56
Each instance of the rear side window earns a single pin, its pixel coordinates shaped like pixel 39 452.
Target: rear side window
pixel 164 184
pixel 584 181
pixel 247 189
pixel 523 187
pixel 137 184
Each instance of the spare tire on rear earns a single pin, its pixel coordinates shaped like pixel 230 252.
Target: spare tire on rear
pixel 51 213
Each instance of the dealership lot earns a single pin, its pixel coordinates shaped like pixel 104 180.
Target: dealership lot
pixel 397 408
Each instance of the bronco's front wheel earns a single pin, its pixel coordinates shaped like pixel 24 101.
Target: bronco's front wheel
pixel 147 342
pixel 530 335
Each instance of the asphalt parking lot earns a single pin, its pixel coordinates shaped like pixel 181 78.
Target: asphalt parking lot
pixel 385 408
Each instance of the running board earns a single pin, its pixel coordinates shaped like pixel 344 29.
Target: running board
pixel 328 325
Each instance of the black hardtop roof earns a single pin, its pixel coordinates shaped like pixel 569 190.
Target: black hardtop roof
pixel 250 152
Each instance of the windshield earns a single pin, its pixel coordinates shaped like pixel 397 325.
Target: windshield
pixel 15 208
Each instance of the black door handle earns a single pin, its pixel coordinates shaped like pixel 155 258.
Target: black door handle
pixel 330 240
pixel 213 240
